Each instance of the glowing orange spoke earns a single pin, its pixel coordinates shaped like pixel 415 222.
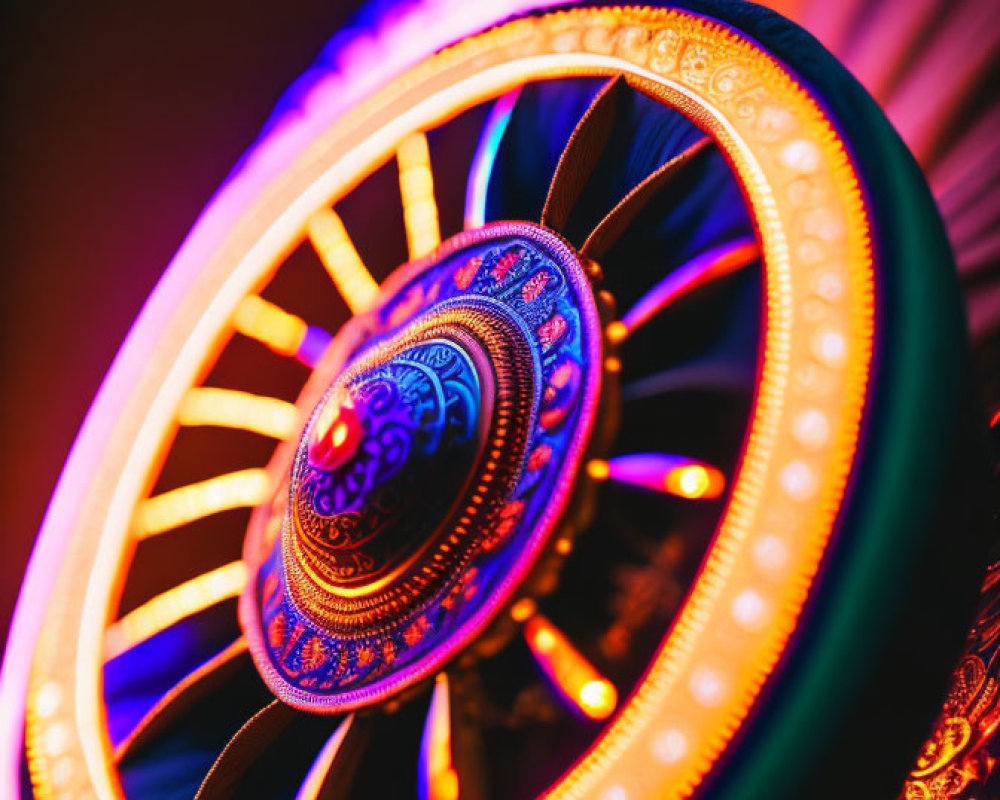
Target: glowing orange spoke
pixel 437 778
pixel 286 334
pixel 228 408
pixel 345 267
pixel 265 322
pixel 241 489
pixel 661 472
pixel 708 266
pixel 416 185
pixel 573 676
pixel 172 606
pixel 325 764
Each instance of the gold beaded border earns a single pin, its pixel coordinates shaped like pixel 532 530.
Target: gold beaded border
pixel 817 351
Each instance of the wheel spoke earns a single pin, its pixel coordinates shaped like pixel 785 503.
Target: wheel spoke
pixel 578 158
pixel 610 228
pixel 172 606
pixel 195 687
pixel 726 376
pixel 485 157
pixel 284 333
pixel 416 187
pixel 330 775
pixel 241 489
pixel 576 679
pixel 702 269
pixel 662 472
pixel 244 749
pixel 341 260
pixel 228 408
pixel 437 778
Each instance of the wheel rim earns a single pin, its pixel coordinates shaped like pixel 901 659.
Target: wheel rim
pixel 598 43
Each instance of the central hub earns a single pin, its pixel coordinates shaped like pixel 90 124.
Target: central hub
pixel 403 471
pixel 432 473
pixel 388 455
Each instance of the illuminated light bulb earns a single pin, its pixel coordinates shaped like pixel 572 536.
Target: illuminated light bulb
pixel 543 641
pixel 669 746
pixel 821 222
pixel 576 680
pixel 62 771
pixel 811 428
pixel 749 609
pixel 613 364
pixel 598 698
pixel 695 481
pixel 798 480
pixel 707 686
pixel 770 553
pixel 801 155
pixel 615 793
pixel 662 472
pixel 829 286
pixel 598 469
pixel 47 699
pixel 617 332
pixel 56 739
pixel 564 547
pixel 523 610
pixel 830 347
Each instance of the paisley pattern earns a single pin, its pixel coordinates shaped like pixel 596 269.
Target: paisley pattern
pixel 472 387
pixel 957 760
pixel 418 415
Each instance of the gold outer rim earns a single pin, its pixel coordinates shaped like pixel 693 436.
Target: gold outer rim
pixel 816 357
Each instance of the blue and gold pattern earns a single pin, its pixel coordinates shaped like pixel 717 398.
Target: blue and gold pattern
pixel 433 474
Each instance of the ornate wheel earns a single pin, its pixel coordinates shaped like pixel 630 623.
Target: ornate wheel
pixel 611 493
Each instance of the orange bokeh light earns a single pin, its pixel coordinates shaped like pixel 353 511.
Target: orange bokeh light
pixel 695 481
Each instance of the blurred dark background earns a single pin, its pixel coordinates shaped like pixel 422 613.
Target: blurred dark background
pixel 119 121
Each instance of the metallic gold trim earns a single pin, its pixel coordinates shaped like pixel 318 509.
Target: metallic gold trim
pixel 819 288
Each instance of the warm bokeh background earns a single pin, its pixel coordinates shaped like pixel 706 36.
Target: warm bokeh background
pixel 119 120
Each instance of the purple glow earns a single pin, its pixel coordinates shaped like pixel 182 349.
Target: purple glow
pixel 482 162
pixel 646 470
pixel 313 346
pixel 712 263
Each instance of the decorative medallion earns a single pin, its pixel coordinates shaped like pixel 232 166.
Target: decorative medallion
pixel 958 760
pixel 434 470
pixel 444 333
